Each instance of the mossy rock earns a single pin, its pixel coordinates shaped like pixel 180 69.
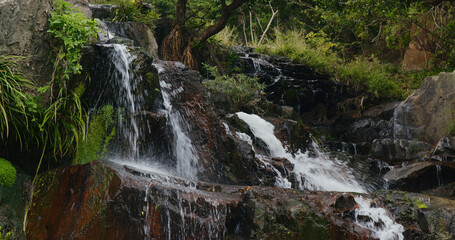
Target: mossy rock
pixel 7 173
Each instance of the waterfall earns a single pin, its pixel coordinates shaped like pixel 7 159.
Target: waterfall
pixel 184 152
pixel 313 173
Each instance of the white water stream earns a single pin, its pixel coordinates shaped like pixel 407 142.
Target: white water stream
pixel 315 173
pixel 185 154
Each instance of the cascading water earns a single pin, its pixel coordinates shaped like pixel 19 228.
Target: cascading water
pixel 314 173
pixel 377 220
pixel 185 154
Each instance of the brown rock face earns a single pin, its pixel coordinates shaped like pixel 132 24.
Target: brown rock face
pixel 96 201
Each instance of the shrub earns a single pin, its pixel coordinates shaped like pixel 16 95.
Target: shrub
pixel 238 87
pixel 7 173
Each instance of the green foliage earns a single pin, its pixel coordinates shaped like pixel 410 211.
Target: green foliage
pixel 70 30
pixel 14 100
pixel 371 76
pixel 420 204
pixel 240 88
pixel 100 132
pixel 312 49
pixel 131 11
pixel 7 173
pixel 63 121
pixel 368 75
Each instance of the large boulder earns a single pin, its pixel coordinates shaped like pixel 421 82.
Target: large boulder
pixel 99 201
pixel 428 112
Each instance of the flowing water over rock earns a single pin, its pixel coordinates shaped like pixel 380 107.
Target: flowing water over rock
pixel 186 157
pixel 312 172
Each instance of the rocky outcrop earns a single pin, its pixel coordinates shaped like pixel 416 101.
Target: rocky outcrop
pixel 420 176
pixel 292 84
pixel 98 201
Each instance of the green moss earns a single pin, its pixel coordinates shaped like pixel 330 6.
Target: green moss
pixel 99 134
pixel 7 173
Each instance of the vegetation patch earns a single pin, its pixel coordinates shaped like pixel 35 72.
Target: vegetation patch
pixel 7 173
pixel 99 133
pixel 240 88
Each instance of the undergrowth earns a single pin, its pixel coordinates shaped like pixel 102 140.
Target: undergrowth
pixel 240 88
pixel 365 74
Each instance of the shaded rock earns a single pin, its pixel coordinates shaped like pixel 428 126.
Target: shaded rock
pixel 426 114
pixel 96 201
pixel 394 151
pixel 345 202
pixel 423 216
pixel 421 176
pixel 290 84
pixel 13 201
pixel 103 11
pixel 140 33
pixel 445 191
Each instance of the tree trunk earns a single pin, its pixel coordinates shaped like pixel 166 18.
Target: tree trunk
pixel 174 46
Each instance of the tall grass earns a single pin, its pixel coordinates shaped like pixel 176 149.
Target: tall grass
pixel 366 74
pixel 14 118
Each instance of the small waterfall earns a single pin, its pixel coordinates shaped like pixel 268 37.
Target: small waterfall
pixel 377 220
pixel 185 154
pixel 314 173
pixel 439 175
pixel 120 81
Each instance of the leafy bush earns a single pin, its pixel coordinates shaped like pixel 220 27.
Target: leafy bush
pixel 238 87
pixel 100 132
pixel 7 173
pixel 70 30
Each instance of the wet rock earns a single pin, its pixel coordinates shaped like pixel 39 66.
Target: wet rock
pixel 426 114
pixel 98 201
pixel 421 176
pixel 290 84
pixel 395 151
pixel 445 150
pixel 423 216
pixel 345 202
